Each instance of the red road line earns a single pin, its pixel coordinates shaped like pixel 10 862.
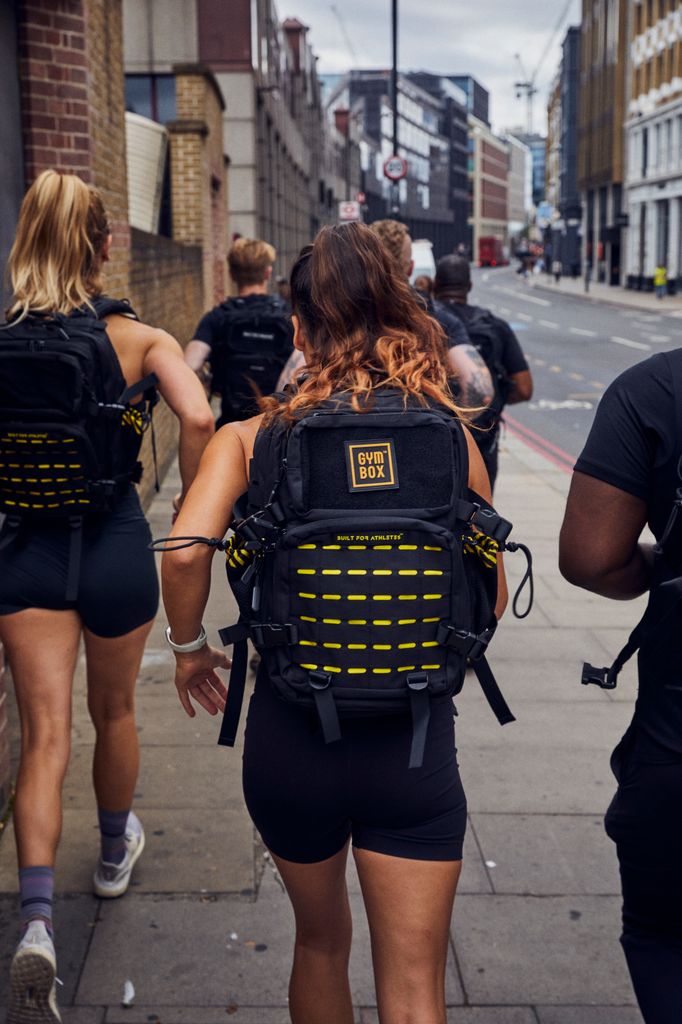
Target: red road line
pixel 557 456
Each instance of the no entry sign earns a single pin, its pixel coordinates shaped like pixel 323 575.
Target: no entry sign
pixel 395 167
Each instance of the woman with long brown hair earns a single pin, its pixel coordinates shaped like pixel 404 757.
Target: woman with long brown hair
pixel 311 790
pixel 74 548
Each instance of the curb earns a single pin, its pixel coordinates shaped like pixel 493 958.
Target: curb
pixel 605 302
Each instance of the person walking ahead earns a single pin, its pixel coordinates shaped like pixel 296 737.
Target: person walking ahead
pixel 628 475
pixel 375 374
pixel 245 340
pixel 499 348
pixel 74 557
pixel 661 281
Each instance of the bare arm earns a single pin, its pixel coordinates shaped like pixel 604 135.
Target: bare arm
pixel 521 387
pixel 473 376
pixel 186 574
pixel 185 396
pixel 599 547
pixel 196 354
pixel 479 482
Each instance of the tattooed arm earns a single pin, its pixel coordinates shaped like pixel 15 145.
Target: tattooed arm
pixel 472 375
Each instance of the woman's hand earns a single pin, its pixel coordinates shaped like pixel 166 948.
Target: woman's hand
pixel 196 677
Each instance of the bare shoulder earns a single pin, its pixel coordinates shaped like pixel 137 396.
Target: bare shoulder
pixel 244 432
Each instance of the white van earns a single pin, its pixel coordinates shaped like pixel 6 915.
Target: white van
pixel 422 259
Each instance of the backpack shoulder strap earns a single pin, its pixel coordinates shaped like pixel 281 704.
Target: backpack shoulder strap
pixel 105 306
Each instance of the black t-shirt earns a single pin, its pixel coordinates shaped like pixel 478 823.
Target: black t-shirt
pixel 633 445
pixel 212 324
pixel 511 353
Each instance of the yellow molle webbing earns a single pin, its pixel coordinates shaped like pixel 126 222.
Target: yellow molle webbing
pixel 236 554
pixel 484 547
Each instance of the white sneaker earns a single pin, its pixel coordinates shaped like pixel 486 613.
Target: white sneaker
pixel 112 880
pixel 33 998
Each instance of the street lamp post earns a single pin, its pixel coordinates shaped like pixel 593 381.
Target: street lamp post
pixel 395 187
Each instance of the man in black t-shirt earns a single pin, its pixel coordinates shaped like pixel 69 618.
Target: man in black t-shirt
pixel 495 341
pixel 628 475
pixel 245 340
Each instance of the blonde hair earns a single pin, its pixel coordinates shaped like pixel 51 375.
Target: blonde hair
pixel 392 235
pixel 249 259
pixel 56 261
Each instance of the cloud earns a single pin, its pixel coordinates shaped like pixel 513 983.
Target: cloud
pixel 447 36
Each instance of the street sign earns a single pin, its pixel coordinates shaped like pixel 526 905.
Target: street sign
pixel 395 168
pixel 349 209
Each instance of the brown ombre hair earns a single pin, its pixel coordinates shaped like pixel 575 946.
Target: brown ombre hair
pixel 56 261
pixel 364 327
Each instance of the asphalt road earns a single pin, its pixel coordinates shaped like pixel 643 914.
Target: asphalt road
pixel 575 348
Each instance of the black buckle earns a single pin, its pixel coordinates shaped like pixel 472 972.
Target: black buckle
pixel 491 524
pixel 604 678
pixel 470 645
pixel 320 680
pixel 274 634
pixel 417 681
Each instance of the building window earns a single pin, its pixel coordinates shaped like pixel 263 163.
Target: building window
pixel 669 142
pixel 662 231
pixel 151 96
pixel 645 151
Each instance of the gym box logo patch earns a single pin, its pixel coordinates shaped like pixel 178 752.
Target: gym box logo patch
pixel 371 465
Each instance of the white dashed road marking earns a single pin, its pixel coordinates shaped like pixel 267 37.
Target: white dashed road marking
pixel 583 332
pixel 660 339
pixel 549 323
pixel 522 297
pixel 630 344
pixel 525 316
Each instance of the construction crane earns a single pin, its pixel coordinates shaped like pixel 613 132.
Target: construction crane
pixel 527 85
pixel 344 33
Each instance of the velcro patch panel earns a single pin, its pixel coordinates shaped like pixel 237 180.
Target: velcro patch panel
pixel 371 465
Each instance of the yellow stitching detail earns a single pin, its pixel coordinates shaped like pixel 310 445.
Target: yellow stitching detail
pixel 357 572
pixel 331 668
pixel 357 647
pixel 331 572
pixel 406 668
pixel 382 647
pixel 406 647
pixel 430 666
pixel 331 597
pixel 407 547
pixel 432 597
pixel 382 572
pixel 310 596
pixel 335 647
pixel 433 572
pixel 407 597
pixel 382 597
pixel 307 547
pixel 406 622
pixel 356 671
pixel 407 572
pixel 382 622
pixel 381 671
pixel 357 597
pixel 306 572
pixel 330 622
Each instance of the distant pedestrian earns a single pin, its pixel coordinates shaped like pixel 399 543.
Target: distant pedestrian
pixel 627 477
pixel 77 381
pixel 284 291
pixel 424 285
pixel 474 384
pixel 557 269
pixel 661 281
pixel 245 340
pixel 499 348
pixel 575 269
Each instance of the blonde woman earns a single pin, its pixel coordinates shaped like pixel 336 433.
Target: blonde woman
pixel 74 559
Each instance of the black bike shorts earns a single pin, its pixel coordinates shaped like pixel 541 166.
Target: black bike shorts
pixel 118 588
pixel 307 797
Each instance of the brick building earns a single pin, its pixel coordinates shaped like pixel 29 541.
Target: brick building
pixel 653 142
pixel 489 183
pixel 603 61
pixel 61 75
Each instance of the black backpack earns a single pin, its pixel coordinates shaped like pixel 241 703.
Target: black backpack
pixel 363 567
pixel 254 343
pixel 69 433
pixel 484 334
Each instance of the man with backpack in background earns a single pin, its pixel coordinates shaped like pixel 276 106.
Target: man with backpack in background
pixel 496 343
pixel 246 340
pixel 474 382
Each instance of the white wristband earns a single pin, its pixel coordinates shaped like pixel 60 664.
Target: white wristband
pixel 193 645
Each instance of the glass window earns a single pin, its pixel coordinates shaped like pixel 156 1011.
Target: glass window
pixel 151 96
pixel 645 151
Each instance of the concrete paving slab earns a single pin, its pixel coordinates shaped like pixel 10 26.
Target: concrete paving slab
pixel 525 641
pixel 531 779
pixel 169 777
pixel 74 923
pixel 547 950
pixel 545 679
pixel 171 862
pixel 232 1014
pixel 473 1015
pixel 588 1015
pixel 168 942
pixel 542 854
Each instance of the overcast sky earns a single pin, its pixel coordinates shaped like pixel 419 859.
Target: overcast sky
pixel 478 37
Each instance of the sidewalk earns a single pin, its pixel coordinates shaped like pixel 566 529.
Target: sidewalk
pixel 205 933
pixel 672 304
